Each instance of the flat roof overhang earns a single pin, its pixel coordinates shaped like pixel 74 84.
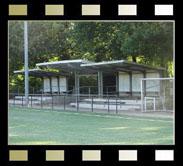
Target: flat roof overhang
pixel 89 67
pixel 120 66
pixel 66 65
pixel 40 73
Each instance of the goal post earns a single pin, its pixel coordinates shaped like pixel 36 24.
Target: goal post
pixel 157 94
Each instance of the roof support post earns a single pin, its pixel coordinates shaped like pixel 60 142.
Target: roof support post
pixel 144 76
pixel 117 81
pixel 76 84
pixel 58 82
pixel 50 85
pixel 76 88
pixel 100 83
pixel 42 79
pixel 130 76
pixel 67 83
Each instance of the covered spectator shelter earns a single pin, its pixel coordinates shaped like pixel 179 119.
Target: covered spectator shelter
pixel 51 81
pixel 127 74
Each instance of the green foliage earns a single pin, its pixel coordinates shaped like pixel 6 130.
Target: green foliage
pixel 97 41
pixel 150 42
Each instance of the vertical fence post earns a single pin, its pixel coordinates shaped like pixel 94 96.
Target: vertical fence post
pixel 77 103
pixel 22 100
pixel 14 100
pixel 52 100
pixel 89 91
pixel 108 104
pixel 41 100
pixel 64 102
pixel 116 104
pixel 31 100
pixel 92 104
pixel 59 101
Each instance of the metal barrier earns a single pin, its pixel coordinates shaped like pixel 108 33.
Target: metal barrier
pixel 72 102
pixel 108 90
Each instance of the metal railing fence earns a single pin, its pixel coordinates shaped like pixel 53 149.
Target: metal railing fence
pixel 72 102
pixel 107 90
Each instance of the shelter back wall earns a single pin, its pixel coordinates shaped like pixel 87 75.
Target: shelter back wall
pixel 124 81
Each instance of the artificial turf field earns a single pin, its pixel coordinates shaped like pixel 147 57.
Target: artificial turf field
pixel 28 126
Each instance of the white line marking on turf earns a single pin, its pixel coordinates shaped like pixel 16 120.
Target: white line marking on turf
pixel 113 117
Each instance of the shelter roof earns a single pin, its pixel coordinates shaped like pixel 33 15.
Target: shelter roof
pixel 40 73
pixel 120 66
pixel 66 65
pixel 87 67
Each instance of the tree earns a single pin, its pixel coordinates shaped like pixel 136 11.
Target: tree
pixel 146 42
pixel 97 41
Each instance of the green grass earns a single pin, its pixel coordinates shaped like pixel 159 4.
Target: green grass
pixel 50 127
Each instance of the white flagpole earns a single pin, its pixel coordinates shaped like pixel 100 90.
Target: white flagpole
pixel 26 64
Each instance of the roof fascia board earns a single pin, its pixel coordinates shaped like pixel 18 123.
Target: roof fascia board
pixel 64 62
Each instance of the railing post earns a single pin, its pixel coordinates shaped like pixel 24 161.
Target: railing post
pixel 14 100
pixel 77 103
pixel 108 104
pixel 92 104
pixel 31 100
pixel 52 100
pixel 64 102
pixel 22 100
pixel 41 101
pixel 89 91
pixel 116 104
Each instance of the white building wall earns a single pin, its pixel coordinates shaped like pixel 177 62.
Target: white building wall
pixel 46 84
pixel 124 82
pixel 63 84
pixel 54 84
pixel 136 82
